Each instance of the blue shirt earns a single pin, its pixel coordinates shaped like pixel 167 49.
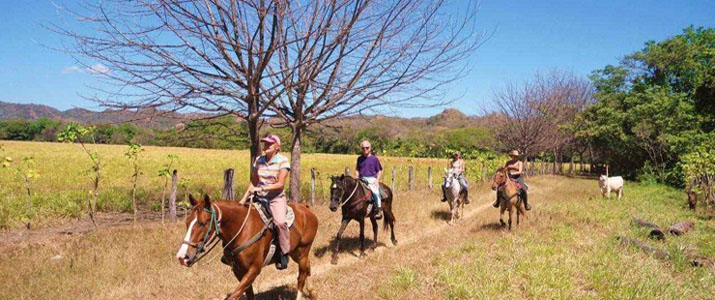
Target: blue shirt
pixel 368 166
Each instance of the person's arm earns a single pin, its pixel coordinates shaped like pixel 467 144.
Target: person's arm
pixel 462 167
pixel 519 168
pixel 357 163
pixel 379 171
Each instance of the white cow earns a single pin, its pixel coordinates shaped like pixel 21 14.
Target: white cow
pixel 608 184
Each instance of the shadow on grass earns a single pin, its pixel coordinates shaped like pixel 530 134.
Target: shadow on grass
pixel 350 244
pixel 283 292
pixel 441 214
pixel 489 226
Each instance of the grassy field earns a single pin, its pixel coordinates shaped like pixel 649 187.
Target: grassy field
pixel 62 190
pixel 567 249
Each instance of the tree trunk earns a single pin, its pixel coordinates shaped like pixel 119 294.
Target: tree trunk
pixel 254 128
pixel 295 153
pixel 573 163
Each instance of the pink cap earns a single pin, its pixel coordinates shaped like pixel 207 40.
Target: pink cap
pixel 272 138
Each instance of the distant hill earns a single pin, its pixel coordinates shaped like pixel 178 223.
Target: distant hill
pixel 396 126
pixel 148 118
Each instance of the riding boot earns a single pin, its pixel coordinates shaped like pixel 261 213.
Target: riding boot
pixel 466 196
pixel 444 195
pixel 526 200
pixel 283 262
pixel 378 213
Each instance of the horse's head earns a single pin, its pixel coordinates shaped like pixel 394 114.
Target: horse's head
pixel 199 227
pixel 337 191
pixel 499 179
pixel 448 177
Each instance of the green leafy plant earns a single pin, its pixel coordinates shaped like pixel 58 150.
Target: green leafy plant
pixel 77 133
pixel 133 155
pixel 27 172
pixel 699 169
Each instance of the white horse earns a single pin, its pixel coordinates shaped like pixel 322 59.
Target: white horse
pixel 608 184
pixel 454 197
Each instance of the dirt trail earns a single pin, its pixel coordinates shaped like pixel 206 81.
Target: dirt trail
pixel 361 273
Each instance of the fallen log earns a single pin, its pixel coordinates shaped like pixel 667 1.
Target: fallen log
pixel 660 254
pixel 655 233
pixel 680 228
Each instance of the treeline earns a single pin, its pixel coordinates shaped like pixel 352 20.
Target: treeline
pixel 227 133
pixel 651 117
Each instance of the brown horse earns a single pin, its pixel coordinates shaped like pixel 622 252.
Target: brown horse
pixel 245 239
pixel 352 195
pixel 509 196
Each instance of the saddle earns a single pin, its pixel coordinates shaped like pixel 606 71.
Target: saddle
pixel 264 212
pixel 371 198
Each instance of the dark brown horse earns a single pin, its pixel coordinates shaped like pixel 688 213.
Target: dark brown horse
pixel 352 196
pixel 245 239
pixel 509 196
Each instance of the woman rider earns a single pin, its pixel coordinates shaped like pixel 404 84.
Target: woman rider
pixel 515 168
pixel 457 166
pixel 268 175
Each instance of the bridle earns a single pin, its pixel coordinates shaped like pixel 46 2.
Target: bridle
pixel 502 185
pixel 210 239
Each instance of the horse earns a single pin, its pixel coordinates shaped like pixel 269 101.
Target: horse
pixel 509 196
pixel 353 195
pixel 454 195
pixel 246 240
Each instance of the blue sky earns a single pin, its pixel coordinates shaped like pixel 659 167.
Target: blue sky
pixel 528 35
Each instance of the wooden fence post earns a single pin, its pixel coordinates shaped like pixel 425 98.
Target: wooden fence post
pixel 429 177
pixel 228 185
pixel 392 186
pixel 172 197
pixel 347 171
pixel 411 178
pixel 312 186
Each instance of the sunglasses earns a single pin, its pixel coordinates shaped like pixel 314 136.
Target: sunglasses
pixel 365 148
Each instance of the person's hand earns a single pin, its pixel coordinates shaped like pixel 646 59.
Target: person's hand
pixel 256 189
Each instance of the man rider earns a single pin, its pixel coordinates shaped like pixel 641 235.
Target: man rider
pixel 515 169
pixel 369 170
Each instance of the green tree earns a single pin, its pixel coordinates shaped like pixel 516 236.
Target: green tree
pixel 133 155
pixel 77 133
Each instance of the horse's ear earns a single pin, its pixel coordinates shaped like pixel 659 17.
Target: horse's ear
pixel 192 200
pixel 342 176
pixel 207 200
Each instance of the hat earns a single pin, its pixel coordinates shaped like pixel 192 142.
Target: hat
pixel 514 153
pixel 272 138
pixel 457 153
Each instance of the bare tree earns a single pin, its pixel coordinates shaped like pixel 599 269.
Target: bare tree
pixel 352 56
pixel 211 56
pixel 537 115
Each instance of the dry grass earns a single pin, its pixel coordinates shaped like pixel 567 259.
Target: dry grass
pixel 61 191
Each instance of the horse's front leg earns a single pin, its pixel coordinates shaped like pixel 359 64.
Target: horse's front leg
pixel 362 237
pixel 245 284
pixel 344 224
pixel 502 209
pixel 374 232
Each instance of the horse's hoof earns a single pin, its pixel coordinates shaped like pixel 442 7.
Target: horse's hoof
pixel 394 242
pixel 363 255
pixel 334 260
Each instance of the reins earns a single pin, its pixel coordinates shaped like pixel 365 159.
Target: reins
pixel 212 241
pixel 357 183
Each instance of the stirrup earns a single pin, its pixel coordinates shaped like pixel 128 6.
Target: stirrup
pixel 282 263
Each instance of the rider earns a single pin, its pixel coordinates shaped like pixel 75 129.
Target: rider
pixel 457 166
pixel 268 175
pixel 515 168
pixel 369 170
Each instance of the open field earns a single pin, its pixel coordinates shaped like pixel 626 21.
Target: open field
pixel 566 250
pixel 62 190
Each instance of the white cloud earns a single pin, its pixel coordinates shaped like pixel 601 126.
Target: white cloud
pixel 98 69
pixel 94 69
pixel 71 69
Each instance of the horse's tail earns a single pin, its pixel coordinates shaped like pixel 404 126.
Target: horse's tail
pixel 388 215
